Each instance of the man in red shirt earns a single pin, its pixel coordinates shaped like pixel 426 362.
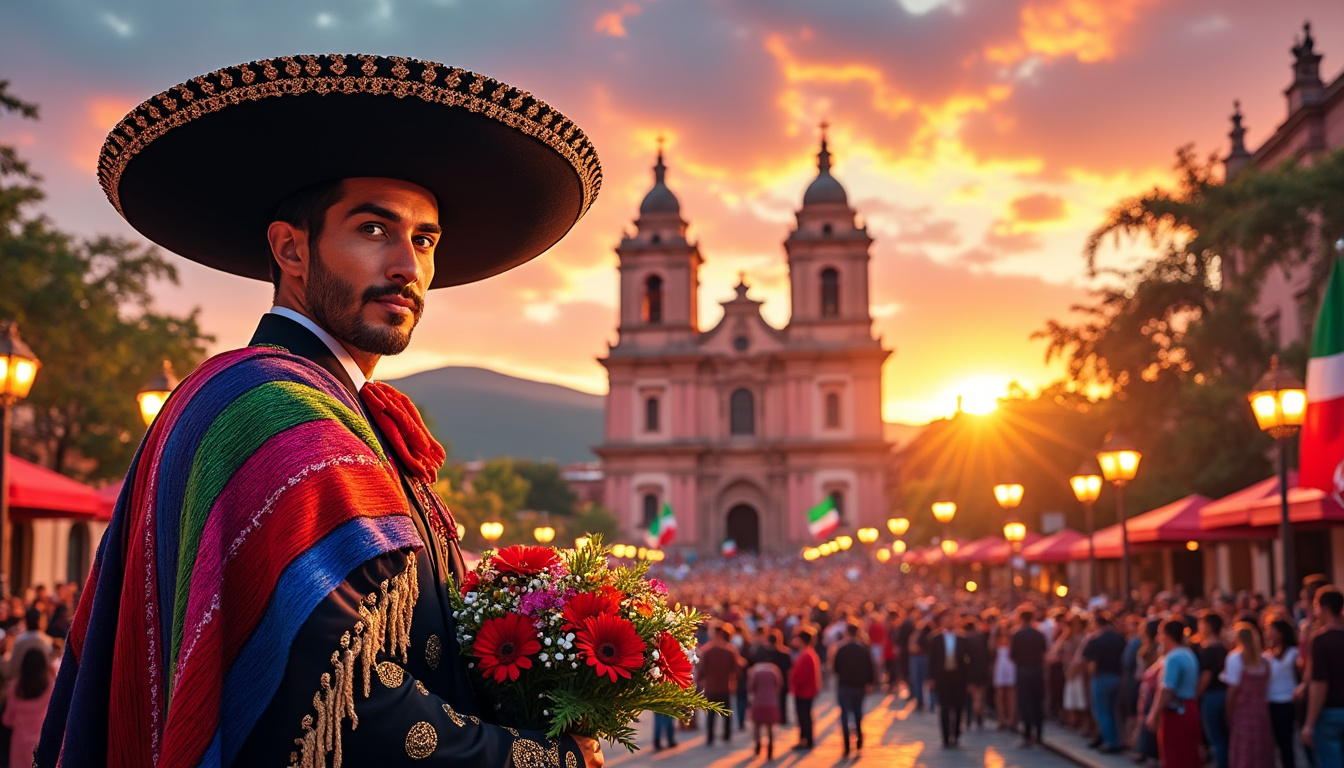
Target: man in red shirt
pixel 805 682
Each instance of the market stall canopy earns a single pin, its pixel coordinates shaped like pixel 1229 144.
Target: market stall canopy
pixel 1171 525
pixel 920 556
pixel 1000 552
pixel 1305 507
pixel 38 492
pixel 1054 548
pixel 973 551
pixel 1234 509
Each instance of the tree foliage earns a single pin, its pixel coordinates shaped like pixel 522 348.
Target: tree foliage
pixel 85 307
pixel 548 490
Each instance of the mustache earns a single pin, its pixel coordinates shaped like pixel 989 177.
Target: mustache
pixel 379 292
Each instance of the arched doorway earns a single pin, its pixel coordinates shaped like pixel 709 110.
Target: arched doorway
pixel 744 528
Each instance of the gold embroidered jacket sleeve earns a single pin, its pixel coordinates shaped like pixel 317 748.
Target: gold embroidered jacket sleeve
pixel 374 678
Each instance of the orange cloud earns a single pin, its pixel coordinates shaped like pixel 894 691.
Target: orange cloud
pixel 885 99
pixel 1039 208
pixel 101 114
pixel 612 23
pixel 1088 30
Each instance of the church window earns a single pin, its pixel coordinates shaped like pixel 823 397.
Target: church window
pixel 656 239
pixel 651 420
pixel 839 499
pixel 832 410
pixel 742 413
pixel 741 343
pixel 827 229
pixel 653 299
pixel 830 292
pixel 650 509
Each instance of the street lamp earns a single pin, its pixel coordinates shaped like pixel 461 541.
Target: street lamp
pixel 18 368
pixel 883 555
pixel 949 547
pixel 844 542
pixel 898 526
pixel 1279 401
pixel 154 394
pixel 544 534
pixel 1086 484
pixel 944 511
pixel 867 535
pixel 1119 461
pixel 898 547
pixel 491 530
pixel 1009 495
pixel 1015 532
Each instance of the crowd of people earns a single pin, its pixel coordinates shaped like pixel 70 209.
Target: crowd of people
pixel 32 638
pixel 1171 680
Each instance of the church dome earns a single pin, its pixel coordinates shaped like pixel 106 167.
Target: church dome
pixel 660 199
pixel 825 189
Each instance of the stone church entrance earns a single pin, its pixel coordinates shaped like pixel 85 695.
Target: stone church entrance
pixel 744 528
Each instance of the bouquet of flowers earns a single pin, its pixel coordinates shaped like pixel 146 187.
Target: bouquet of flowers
pixel 563 643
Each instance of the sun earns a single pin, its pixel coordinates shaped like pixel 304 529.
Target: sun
pixel 980 394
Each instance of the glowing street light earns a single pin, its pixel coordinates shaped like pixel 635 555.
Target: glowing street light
pixel 1086 484
pixel 1279 401
pixel 949 547
pixel 1119 461
pixel 844 542
pixel 154 394
pixel 1009 495
pixel 491 530
pixel 544 534
pixel 1015 532
pixel 898 526
pixel 18 368
pixel 867 535
pixel 898 547
pixel 883 555
pixel 944 511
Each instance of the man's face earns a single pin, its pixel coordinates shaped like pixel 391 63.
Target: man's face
pixel 370 268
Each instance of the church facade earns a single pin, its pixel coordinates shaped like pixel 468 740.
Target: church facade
pixel 743 427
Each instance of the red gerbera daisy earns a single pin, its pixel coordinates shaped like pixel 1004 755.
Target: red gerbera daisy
pixel 470 582
pixel 585 605
pixel 611 645
pixel 524 560
pixel 672 661
pixel 504 644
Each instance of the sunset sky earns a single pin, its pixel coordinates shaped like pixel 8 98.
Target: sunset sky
pixel 980 140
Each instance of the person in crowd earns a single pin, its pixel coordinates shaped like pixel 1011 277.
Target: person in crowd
pixel 1174 715
pixel 1323 730
pixel 877 641
pixel 949 662
pixel 747 645
pixel 1148 665
pixel 26 707
pixel 1281 655
pixel 1212 690
pixel 1250 741
pixel 764 682
pixel 852 664
pixel 805 681
pixel 1129 675
pixel 1067 650
pixel 32 637
pixel 902 643
pixel 978 674
pixel 773 651
pixel 663 732
pixel 1054 667
pixel 919 661
pixel 717 676
pixel 1103 654
pixel 1027 654
pixel 1005 676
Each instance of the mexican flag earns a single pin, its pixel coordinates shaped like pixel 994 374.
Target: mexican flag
pixel 1322 442
pixel 823 518
pixel 663 529
pixel 728 548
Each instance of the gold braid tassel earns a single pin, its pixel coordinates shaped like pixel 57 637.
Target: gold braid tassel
pixel 384 624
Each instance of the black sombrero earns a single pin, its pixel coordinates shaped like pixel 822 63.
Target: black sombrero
pixel 200 168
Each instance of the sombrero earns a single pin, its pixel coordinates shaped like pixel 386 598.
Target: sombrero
pixel 200 168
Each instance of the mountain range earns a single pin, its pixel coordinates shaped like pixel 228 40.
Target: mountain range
pixel 479 414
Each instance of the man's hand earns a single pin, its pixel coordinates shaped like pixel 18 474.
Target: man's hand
pixel 1152 722
pixel 1308 736
pixel 591 749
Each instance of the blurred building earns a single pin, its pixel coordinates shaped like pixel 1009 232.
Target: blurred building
pixel 741 428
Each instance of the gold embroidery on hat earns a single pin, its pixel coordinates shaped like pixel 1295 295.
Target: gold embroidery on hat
pixel 421 741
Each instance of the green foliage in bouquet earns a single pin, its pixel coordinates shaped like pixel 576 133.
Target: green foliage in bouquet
pixel 560 642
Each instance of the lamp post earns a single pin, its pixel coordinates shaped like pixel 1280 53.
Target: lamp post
pixel 18 368
pixel 154 394
pixel 1119 461
pixel 1086 484
pixel 943 512
pixel 544 533
pixel 1279 401
pixel 1009 495
pixel 1015 532
pixel 898 526
pixel 492 530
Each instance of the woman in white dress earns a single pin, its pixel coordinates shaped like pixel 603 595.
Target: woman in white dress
pixel 1005 677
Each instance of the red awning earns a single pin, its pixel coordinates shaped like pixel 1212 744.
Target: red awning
pixel 1176 523
pixel 36 492
pixel 974 550
pixel 1054 548
pixel 1305 506
pixel 1234 509
pixel 1001 551
pixel 920 556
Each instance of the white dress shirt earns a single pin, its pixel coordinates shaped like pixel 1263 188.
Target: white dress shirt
pixel 356 375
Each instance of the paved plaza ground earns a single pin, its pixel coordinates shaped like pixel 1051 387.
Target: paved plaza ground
pixel 895 737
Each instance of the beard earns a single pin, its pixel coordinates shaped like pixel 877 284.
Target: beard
pixel 337 305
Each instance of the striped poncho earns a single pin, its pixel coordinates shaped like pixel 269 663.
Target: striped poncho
pixel 256 491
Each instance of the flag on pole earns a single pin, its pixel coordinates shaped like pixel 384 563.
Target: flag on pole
pixel 823 518
pixel 729 548
pixel 663 529
pixel 1322 441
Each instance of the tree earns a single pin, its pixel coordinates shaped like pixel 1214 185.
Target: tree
pixel 548 490
pixel 85 307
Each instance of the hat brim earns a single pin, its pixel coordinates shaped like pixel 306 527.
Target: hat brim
pixel 201 168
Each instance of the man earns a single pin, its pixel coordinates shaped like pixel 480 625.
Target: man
pixel 949 661
pixel 805 681
pixel 1323 729
pixel 716 676
pixel 32 637
pixel 273 586
pixel 853 667
pixel 1212 691
pixel 1103 654
pixel 1027 651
